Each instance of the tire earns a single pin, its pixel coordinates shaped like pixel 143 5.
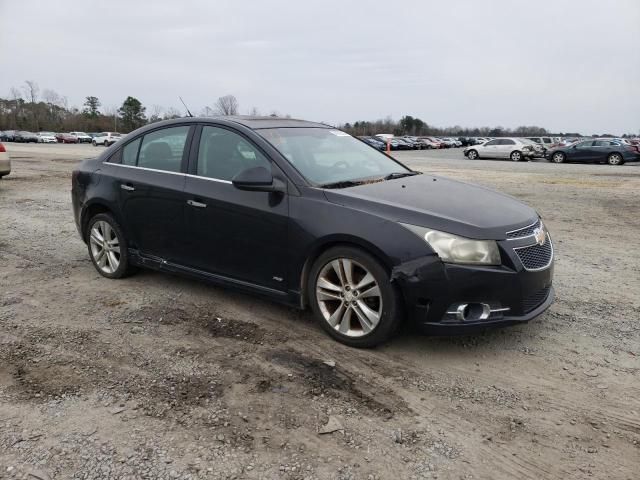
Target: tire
pixel 367 322
pixel 615 159
pixel 558 157
pixel 516 156
pixel 117 264
pixel 94 143
pixel 472 155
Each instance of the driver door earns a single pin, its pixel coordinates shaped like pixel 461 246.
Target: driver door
pixel 230 232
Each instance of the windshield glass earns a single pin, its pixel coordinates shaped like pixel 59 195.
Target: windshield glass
pixel 325 156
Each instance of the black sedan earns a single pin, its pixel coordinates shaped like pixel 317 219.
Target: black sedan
pixel 308 215
pixel 374 142
pixel 25 137
pixel 592 151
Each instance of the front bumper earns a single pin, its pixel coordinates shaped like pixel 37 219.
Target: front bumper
pixel 430 289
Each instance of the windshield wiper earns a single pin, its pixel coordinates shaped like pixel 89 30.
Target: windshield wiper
pixel 393 175
pixel 342 184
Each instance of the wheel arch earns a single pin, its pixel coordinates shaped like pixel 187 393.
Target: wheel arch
pixel 92 209
pixel 337 241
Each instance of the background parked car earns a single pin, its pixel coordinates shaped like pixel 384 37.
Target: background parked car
pixel 25 137
pixel 593 151
pixel 5 162
pixel 374 142
pixel 47 137
pixel 515 149
pixel 106 138
pixel 7 136
pixel 66 138
pixel 82 137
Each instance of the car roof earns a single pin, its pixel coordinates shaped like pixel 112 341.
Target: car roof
pixel 252 122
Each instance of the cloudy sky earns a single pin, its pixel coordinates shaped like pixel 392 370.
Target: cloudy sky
pixel 567 65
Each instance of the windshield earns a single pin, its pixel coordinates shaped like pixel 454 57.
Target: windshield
pixel 324 156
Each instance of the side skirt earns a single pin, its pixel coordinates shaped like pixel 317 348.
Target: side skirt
pixel 291 298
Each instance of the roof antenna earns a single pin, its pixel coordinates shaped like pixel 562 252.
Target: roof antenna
pixel 185 106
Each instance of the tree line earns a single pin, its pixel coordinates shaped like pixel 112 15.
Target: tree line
pixel 29 108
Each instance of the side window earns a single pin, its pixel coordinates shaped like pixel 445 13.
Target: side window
pixel 584 144
pixel 163 149
pixel 223 154
pixel 491 142
pixel 507 141
pixel 130 153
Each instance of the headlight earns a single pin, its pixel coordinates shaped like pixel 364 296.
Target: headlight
pixel 454 249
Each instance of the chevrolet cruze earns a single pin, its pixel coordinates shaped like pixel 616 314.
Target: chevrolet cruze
pixel 310 216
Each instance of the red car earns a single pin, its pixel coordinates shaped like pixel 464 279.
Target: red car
pixel 66 138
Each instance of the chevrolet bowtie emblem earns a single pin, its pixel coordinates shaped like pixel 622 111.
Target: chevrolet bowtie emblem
pixel 540 235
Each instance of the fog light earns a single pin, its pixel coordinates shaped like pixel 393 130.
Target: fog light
pixel 474 311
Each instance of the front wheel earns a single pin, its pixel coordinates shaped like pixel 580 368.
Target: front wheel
pixel 558 157
pixel 352 297
pixel 472 154
pixel 108 247
pixel 615 159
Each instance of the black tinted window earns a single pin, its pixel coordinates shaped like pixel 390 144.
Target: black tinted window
pixel 163 149
pixel 130 153
pixel 223 154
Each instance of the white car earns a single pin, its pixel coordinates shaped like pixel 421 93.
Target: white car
pixel 106 138
pixel 47 137
pixel 5 162
pixel 515 149
pixel 82 137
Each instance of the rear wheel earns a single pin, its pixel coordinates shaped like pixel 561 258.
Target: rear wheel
pixel 108 247
pixel 558 157
pixel 352 297
pixel 615 159
pixel 472 154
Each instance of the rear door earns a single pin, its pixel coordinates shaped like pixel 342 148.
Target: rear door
pixel 151 183
pixel 234 233
pixel 505 147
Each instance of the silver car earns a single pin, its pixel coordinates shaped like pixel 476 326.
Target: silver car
pixel 5 162
pixel 516 149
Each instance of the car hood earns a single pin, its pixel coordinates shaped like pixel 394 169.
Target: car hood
pixel 440 203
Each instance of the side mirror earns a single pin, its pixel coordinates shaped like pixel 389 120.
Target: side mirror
pixel 257 179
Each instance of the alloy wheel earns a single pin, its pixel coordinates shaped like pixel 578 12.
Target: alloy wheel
pixel 516 156
pixel 105 246
pixel 349 297
pixel 557 157
pixel 615 159
pixel 473 155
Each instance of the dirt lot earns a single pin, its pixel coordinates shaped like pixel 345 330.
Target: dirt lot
pixel 162 377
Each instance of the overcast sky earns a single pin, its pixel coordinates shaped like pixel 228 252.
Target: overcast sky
pixel 567 65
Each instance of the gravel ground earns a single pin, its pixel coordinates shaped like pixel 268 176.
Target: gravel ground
pixel 157 376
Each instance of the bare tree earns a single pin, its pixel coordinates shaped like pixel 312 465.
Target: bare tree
pixel 254 112
pixel 31 90
pixel 172 113
pixel 156 113
pixel 227 105
pixel 16 98
pixel 207 111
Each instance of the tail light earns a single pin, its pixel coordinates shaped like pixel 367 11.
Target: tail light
pixel 2 149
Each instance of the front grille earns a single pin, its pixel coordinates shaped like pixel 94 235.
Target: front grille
pixel 523 232
pixel 535 300
pixel 536 257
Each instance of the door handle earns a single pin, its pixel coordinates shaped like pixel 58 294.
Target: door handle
pixel 193 203
pixel 128 188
